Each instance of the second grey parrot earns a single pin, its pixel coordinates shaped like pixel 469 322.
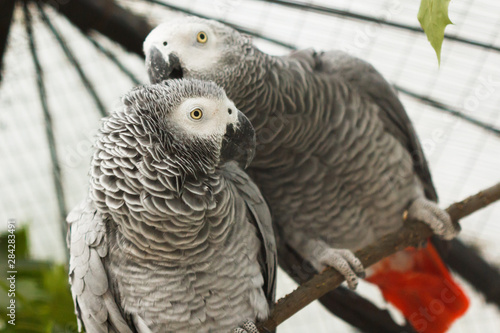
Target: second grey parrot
pixel 338 159
pixel 174 236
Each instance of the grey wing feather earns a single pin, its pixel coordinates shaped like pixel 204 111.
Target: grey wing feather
pixel 363 77
pixel 261 217
pixel 95 305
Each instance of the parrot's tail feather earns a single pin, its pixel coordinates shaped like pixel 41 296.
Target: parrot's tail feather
pixel 417 282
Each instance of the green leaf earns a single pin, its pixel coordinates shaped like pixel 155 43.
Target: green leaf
pixel 433 18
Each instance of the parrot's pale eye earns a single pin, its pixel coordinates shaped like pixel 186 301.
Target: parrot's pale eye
pixel 202 37
pixel 196 114
pixel 229 111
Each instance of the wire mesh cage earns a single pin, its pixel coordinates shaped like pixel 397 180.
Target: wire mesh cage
pixel 61 74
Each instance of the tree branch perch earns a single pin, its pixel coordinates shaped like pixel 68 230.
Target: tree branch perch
pixel 411 234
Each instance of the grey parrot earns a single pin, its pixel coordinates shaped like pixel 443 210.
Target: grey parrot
pixel 337 157
pixel 173 236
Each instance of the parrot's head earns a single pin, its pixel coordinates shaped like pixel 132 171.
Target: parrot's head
pixel 192 47
pixel 192 121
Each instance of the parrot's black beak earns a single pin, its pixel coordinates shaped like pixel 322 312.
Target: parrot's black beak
pixel 160 69
pixel 239 142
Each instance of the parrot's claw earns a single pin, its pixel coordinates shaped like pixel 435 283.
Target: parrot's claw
pixel 246 327
pixel 437 219
pixel 346 263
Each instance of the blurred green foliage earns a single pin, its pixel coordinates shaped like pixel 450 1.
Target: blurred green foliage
pixel 43 299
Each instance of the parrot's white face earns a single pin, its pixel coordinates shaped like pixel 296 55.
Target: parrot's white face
pixel 205 117
pixel 193 119
pixel 194 43
pixel 219 121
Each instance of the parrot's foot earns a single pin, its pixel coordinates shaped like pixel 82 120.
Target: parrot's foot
pixel 437 219
pixel 246 327
pixel 345 262
pixel 321 255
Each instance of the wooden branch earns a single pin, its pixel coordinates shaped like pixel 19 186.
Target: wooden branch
pixel 343 303
pixel 108 18
pixel 6 13
pixel 411 234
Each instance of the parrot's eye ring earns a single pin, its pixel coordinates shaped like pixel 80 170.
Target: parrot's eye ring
pixel 202 37
pixel 196 114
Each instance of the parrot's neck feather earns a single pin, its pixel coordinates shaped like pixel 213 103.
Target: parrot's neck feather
pixel 283 97
pixel 162 212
